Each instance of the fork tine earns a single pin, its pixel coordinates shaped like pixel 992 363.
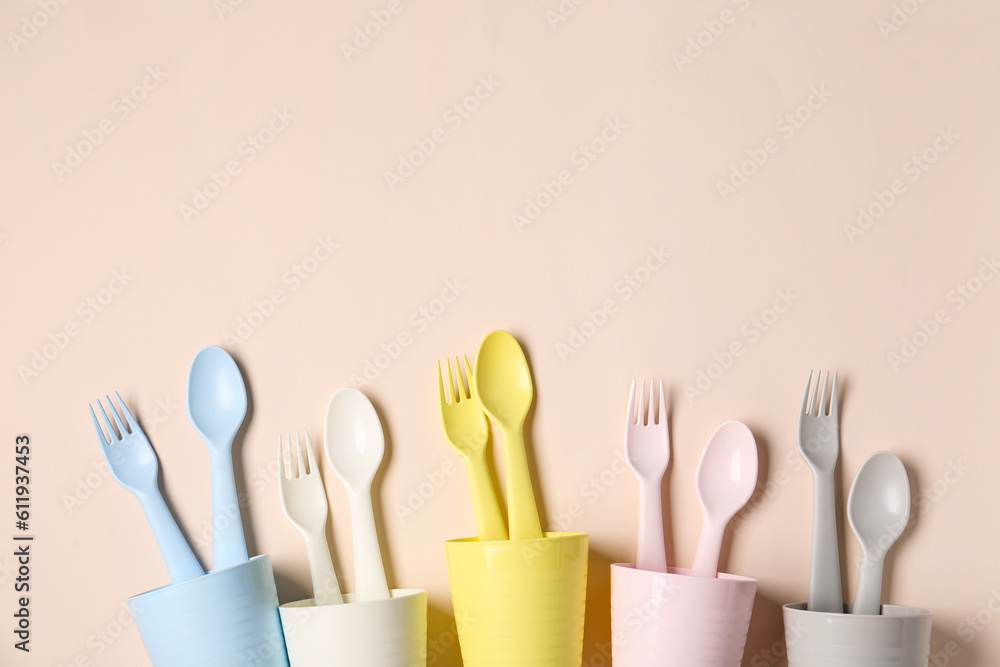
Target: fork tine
pixel 834 410
pixel 309 453
pixel 118 419
pixel 464 388
pixel 822 401
pixel 97 427
pixel 298 454
pixel 805 395
pixel 453 393
pixel 468 373
pixel 651 419
pixel 129 417
pixel 661 417
pixel 441 396
pixel 642 404
pixel 111 429
pixel 631 404
pixel 281 461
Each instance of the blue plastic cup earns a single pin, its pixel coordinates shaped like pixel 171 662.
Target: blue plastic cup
pixel 227 618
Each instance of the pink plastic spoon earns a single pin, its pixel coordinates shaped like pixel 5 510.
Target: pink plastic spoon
pixel 726 478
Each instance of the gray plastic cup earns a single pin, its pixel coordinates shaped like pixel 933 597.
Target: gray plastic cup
pixel 899 637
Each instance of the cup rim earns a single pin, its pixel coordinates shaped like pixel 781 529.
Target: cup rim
pixel 546 535
pixel 209 573
pixel 913 612
pixel 404 594
pixel 686 573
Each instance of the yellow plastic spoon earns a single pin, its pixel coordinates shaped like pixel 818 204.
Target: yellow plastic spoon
pixel 503 389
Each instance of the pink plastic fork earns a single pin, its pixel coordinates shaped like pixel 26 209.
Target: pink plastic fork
pixel 647 451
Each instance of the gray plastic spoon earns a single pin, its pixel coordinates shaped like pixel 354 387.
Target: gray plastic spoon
pixel 878 510
pixel 355 445
pixel 216 406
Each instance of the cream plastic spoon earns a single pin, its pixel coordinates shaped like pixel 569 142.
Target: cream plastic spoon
pixel 878 509
pixel 504 390
pixel 355 446
pixel 726 478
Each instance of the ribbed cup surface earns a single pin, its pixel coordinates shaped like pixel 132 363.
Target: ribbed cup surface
pixel 227 618
pixel 899 637
pixel 520 602
pixel 664 619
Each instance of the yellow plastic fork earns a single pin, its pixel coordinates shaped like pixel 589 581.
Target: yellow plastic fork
pixel 466 429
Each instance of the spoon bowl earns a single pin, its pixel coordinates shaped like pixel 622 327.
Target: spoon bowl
pixel 216 396
pixel 355 445
pixel 504 390
pixel 726 479
pixel 878 509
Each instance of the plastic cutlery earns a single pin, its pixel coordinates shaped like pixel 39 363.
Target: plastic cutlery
pixel 133 464
pixel 726 478
pixel 503 388
pixel 468 433
pixel 303 499
pixel 878 509
pixel 216 406
pixel 355 446
pixel 819 444
pixel 647 451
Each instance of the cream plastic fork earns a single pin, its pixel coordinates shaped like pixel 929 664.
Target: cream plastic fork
pixel 133 464
pixel 647 451
pixel 465 428
pixel 303 499
pixel 819 444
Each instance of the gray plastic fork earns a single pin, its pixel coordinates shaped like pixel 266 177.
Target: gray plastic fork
pixel 819 444
pixel 133 464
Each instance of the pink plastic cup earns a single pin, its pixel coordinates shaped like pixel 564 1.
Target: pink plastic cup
pixel 659 619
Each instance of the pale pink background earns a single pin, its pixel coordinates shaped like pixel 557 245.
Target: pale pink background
pixel 889 95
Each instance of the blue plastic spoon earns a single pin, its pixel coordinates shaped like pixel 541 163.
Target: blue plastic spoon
pixel 216 406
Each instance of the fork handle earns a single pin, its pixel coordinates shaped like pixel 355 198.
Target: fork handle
pixel 489 520
pixel 825 592
pixel 180 560
pixel 651 553
pixel 326 588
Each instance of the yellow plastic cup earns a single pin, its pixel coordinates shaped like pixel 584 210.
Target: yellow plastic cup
pixel 520 602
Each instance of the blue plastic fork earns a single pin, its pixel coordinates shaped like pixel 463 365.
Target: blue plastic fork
pixel 133 464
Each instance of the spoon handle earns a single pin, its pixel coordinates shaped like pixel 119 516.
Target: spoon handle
pixel 229 547
pixel 706 558
pixel 651 553
pixel 489 520
pixel 180 560
pixel 868 598
pixel 825 592
pixel 369 572
pixel 521 509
